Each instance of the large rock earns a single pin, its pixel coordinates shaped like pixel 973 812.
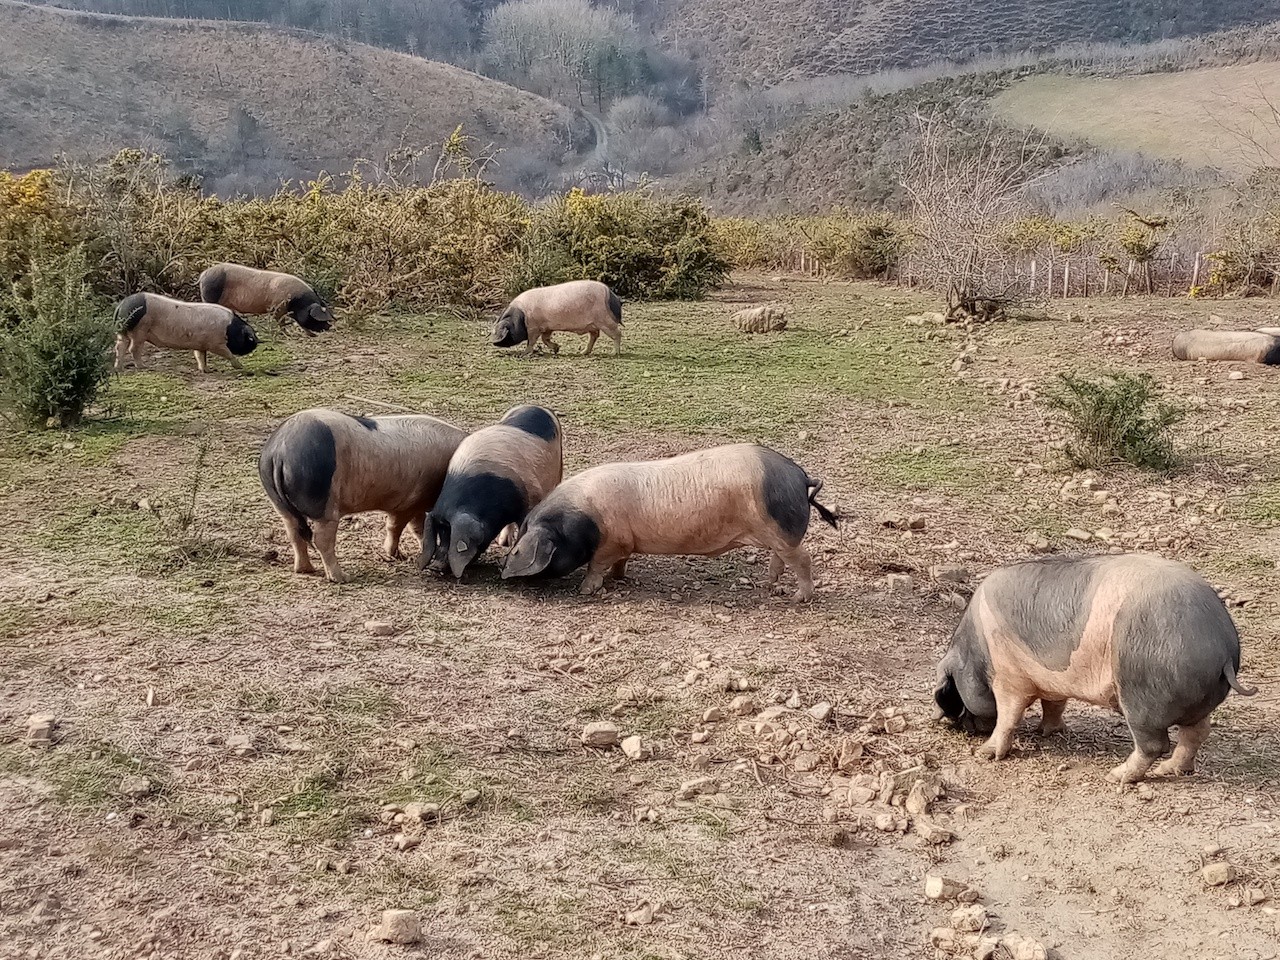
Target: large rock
pixel 601 733
pixel 398 926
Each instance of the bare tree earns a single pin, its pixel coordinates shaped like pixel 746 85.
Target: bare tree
pixel 964 193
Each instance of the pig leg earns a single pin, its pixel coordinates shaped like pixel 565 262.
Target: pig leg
pixel 122 347
pixel 1149 744
pixel 297 540
pixel 135 351
pixel 229 357
pixel 1011 704
pixel 416 527
pixel 797 558
pixel 1183 761
pixel 604 561
pixel 619 570
pixel 507 535
pixel 551 344
pixel 202 361
pixel 395 527
pixel 592 336
pixel 1051 717
pixel 615 334
pixel 326 541
pixel 776 566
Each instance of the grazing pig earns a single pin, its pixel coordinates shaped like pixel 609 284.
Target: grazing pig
pixel 497 475
pixel 254 291
pixel 579 306
pixel 321 465
pixel 1136 633
pixel 1250 346
pixel 175 325
pixel 704 504
pixel 768 319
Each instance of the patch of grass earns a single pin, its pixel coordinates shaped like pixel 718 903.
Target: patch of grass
pixel 83 781
pixel 930 468
pixel 1118 418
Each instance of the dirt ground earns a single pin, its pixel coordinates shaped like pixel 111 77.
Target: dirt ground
pixel 147 603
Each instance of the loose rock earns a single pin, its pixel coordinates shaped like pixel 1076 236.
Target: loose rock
pixel 135 787
pixel 969 919
pixel 633 748
pixel 937 887
pixel 699 785
pixel 1219 874
pixel 398 926
pixel 639 917
pixel 601 733
pixel 40 730
pixel 741 706
pixel 820 711
pixel 930 832
pixel 1023 948
pixel 379 628
pixel 951 573
pixel 900 583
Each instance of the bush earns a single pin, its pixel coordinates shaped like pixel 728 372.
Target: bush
pixel 54 344
pixel 644 247
pixel 1117 418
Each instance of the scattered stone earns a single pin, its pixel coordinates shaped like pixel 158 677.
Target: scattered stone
pixel 951 573
pixel 469 797
pixel 969 919
pixel 1075 533
pixel 986 949
pixel 900 583
pixel 1211 850
pixel 793 701
pixel 937 887
pixel 1253 896
pixel 241 744
pixel 1219 874
pixel 698 786
pixel 40 730
pixel 639 917
pixel 379 628
pixel 835 837
pixel 1235 375
pixel 820 711
pixel 930 832
pixel 700 736
pixel 917 802
pixel 633 748
pixel 404 843
pixel 915 523
pixel 601 733
pixel 267 817
pixel 1038 543
pixel 398 926
pixel 135 787
pixel 715 714
pixel 1023 948
pixel 895 724
pixel 320 949
pixel 806 761
pixel 891 823
pixel 943 939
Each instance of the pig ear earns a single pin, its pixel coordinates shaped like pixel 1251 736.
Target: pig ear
pixel 948 700
pixel 532 563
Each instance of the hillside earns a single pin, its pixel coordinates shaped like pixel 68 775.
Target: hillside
pixel 768 41
pixel 248 105
pixel 1217 117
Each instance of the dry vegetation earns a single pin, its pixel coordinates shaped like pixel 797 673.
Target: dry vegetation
pixel 244 104
pixel 145 601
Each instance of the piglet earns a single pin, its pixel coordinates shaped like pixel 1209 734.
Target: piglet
pixel 704 503
pixel 1136 633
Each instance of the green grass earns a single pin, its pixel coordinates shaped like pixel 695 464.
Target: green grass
pixel 931 468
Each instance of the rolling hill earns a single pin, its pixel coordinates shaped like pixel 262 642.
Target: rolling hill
pixel 249 105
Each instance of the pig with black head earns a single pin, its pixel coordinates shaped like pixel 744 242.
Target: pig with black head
pixel 703 504
pixel 1136 633
pixel 496 476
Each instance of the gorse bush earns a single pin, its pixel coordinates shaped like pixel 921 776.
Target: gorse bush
pixel 54 342
pixel 853 246
pixel 645 247
pixel 1117 418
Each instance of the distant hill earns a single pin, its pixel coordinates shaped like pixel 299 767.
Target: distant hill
pixel 767 41
pixel 249 105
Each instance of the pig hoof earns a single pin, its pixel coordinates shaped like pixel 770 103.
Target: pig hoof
pixel 988 752
pixel 804 596
pixel 1051 731
pixel 337 576
pixel 1123 776
pixel 1171 769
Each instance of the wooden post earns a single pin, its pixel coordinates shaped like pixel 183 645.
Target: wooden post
pixel 1195 271
pixel 1066 279
pixel 1128 278
pixel 1031 289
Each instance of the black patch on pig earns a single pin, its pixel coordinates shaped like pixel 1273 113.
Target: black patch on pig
pixel 1171 647
pixel 493 500
pixel 1046 604
pixel 366 422
pixel 510 328
pixel 1272 357
pixel 785 488
pixel 240 336
pixel 310 313
pixel 533 420
pixel 967 666
pixel 212 284
pixel 576 535
pixel 615 307
pixel 303 457
pixel 130 311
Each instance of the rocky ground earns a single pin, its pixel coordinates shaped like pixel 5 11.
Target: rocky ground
pixel 204 755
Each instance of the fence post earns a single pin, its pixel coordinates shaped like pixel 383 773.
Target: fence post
pixel 1195 270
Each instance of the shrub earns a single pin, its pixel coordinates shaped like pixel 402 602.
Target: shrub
pixel 54 357
pixel 644 247
pixel 1119 417
pixel 861 248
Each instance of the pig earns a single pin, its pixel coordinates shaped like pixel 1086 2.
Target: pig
pixel 1133 632
pixel 1249 346
pixel 203 328
pixel 254 291
pixel 704 503
pixel 768 319
pixel 495 477
pixel 321 465
pixel 579 306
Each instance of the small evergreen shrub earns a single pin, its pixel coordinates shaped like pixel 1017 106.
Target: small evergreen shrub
pixel 54 342
pixel 1117 418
